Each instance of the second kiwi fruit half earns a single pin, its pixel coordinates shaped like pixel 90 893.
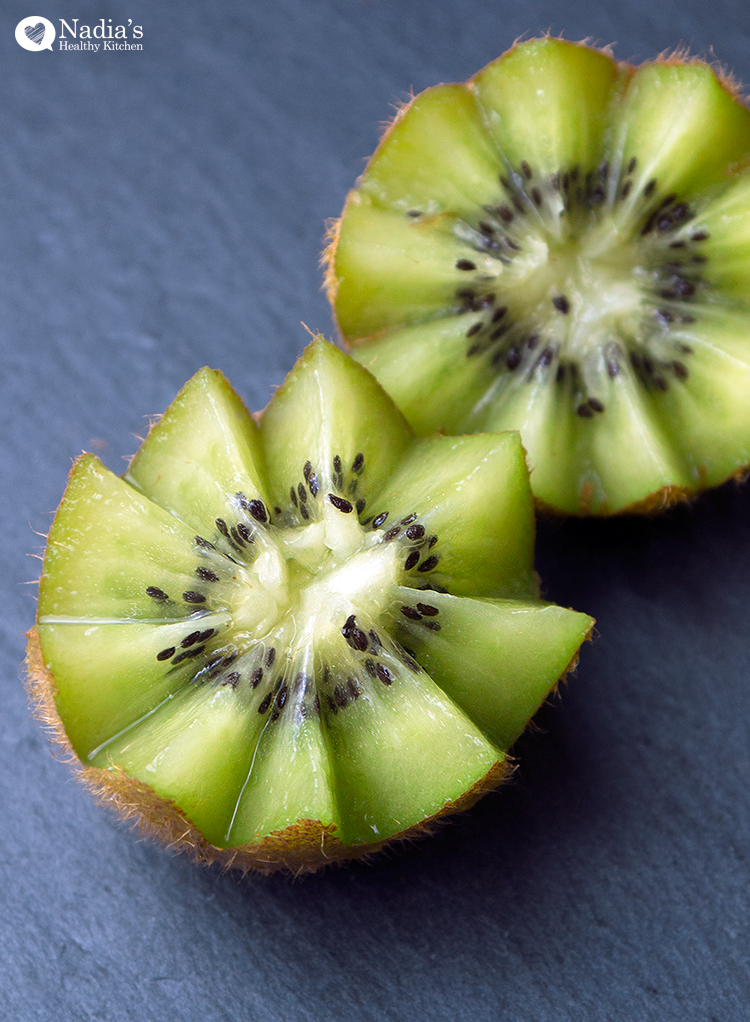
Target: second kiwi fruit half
pixel 561 245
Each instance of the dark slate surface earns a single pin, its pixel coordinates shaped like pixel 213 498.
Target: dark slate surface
pixel 164 209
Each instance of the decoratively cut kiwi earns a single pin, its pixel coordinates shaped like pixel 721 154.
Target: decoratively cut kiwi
pixel 562 246
pixel 285 643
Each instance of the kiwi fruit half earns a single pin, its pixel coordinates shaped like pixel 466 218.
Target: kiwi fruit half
pixel 283 642
pixel 561 245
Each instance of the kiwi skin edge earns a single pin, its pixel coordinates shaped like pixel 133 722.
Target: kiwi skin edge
pixel 302 848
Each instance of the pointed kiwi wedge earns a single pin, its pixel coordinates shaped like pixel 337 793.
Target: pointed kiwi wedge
pixel 561 245
pixel 282 643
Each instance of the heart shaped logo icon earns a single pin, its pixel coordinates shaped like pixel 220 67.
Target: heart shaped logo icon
pixel 35 32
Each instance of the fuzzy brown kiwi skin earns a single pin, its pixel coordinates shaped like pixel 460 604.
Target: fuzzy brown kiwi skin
pixel 304 847
pixel 653 503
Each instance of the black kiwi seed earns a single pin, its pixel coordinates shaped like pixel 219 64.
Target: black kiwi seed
pixel 307 471
pixel 206 574
pixel 221 525
pixel 191 639
pixel 270 657
pixel 192 597
pixel 354 690
pixel 265 702
pixel 415 531
pixel 434 626
pixel 392 533
pixel 358 640
pixel 596 404
pixel 155 593
pixel 256 677
pixel 341 503
pixel 281 697
pixel 166 654
pixel 336 464
pixel 513 358
pixel 412 560
pixel 409 659
pixel 245 532
pixel 293 495
pixel 236 538
pixel 370 667
pixel 340 696
pixel 232 679
pixel 465 264
pixel 204 543
pixel 314 485
pixel 561 303
pixel 411 613
pixel 358 463
pixel 409 518
pixel 427 609
pixel 429 564
pixel 188 654
pixel 546 356
pixel 304 512
pixel 384 674
pixel 375 644
pixel 302 493
pixel 474 328
pixel 431 541
pixel 379 519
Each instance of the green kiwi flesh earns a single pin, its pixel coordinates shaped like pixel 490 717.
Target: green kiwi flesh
pixel 561 245
pixel 286 642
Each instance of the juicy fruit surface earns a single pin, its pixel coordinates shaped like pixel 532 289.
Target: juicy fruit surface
pixel 295 640
pixel 560 246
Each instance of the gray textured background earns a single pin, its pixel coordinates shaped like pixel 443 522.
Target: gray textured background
pixel 165 209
